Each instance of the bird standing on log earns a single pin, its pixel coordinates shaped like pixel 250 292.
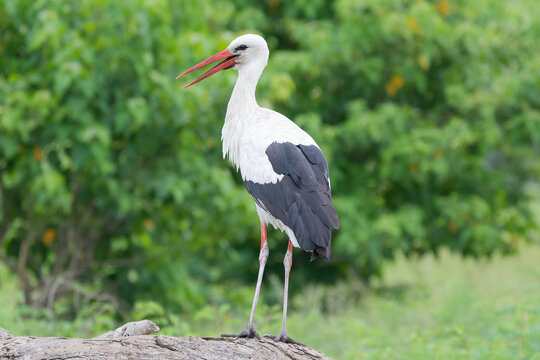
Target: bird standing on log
pixel 283 168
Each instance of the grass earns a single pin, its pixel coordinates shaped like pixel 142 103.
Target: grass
pixel 427 308
pixel 446 308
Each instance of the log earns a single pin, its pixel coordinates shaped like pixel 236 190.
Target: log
pixel 143 327
pixel 4 334
pixel 131 341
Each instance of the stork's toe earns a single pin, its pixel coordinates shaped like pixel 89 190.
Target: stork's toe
pixel 246 333
pixel 283 338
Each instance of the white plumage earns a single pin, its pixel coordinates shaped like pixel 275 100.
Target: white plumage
pixel 249 129
pixel 282 167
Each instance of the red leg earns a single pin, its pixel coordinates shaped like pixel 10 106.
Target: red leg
pixel 263 234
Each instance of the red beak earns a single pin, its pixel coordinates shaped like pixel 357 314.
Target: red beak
pixel 225 64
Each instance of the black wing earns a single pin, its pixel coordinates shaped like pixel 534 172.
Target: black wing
pixel 302 199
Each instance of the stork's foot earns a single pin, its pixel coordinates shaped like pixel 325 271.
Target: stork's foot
pixel 283 338
pixel 247 333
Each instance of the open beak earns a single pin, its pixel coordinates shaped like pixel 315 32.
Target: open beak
pixel 225 64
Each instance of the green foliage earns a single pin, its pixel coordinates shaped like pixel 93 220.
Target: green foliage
pixel 433 308
pixel 109 174
pixel 112 180
pixel 418 106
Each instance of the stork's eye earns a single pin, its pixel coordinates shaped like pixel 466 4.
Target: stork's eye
pixel 240 48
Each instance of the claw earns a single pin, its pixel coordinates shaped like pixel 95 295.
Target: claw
pixel 246 333
pixel 283 338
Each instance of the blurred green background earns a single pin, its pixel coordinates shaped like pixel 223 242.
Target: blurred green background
pixel 116 204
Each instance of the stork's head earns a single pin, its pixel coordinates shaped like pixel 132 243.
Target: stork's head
pixel 249 49
pixel 246 53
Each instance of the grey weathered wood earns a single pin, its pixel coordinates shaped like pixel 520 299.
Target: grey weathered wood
pixel 4 334
pixel 127 344
pixel 143 327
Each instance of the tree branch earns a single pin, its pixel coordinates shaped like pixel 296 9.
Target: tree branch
pixel 4 335
pixel 143 327
pixel 21 268
pixel 130 342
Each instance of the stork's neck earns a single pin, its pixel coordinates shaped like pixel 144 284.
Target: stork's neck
pixel 242 109
pixel 243 95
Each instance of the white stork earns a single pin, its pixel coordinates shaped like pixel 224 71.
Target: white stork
pixel 282 167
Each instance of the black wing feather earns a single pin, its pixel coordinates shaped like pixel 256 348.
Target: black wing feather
pixel 302 199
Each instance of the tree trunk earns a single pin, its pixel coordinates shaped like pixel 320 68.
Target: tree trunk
pixel 131 341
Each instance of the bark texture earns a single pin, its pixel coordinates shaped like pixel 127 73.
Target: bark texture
pixel 4 334
pixel 131 342
pixel 143 327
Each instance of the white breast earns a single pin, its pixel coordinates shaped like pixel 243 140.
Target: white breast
pixel 245 142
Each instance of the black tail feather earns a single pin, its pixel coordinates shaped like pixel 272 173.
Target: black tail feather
pixel 322 252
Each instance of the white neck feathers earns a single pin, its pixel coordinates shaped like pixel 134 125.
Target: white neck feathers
pixel 242 109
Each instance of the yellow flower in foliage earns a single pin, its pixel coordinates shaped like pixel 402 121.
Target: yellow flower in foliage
pixel 48 236
pixel 38 153
pixel 272 4
pixel 392 86
pixel 453 226
pixel 149 224
pixel 413 25
pixel 443 7
pixel 424 62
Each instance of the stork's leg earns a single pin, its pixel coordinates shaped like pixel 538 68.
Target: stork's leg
pixel 249 331
pixel 287 262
